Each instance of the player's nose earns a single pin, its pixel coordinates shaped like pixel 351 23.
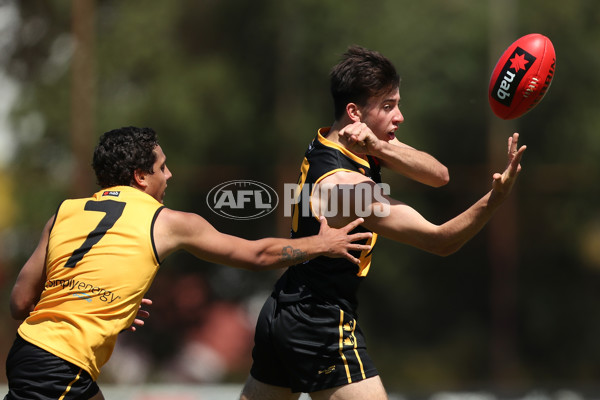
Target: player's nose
pixel 398 116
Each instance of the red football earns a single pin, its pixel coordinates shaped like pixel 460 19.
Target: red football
pixel 522 76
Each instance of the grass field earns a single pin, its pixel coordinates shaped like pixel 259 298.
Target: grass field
pixel 232 391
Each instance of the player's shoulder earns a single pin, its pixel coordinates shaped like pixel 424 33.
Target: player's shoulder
pixel 345 177
pixel 174 220
pixel 170 215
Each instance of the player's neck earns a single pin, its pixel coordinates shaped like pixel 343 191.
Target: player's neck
pixel 332 135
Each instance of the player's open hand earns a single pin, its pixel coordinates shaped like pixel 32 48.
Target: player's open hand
pixel 340 242
pixel 142 314
pixel 504 182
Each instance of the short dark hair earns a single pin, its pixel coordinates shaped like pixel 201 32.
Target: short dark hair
pixel 120 152
pixel 360 75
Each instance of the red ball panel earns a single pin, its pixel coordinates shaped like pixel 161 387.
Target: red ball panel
pixel 522 76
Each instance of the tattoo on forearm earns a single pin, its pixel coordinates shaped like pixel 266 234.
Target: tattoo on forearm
pixel 290 253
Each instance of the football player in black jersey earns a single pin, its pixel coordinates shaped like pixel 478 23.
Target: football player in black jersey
pixel 307 337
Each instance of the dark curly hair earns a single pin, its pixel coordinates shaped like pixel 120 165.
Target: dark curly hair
pixel 360 75
pixel 122 151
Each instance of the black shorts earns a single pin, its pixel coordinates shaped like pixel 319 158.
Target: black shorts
pixel 35 374
pixel 308 345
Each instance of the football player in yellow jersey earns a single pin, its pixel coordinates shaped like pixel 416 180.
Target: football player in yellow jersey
pixel 97 257
pixel 307 336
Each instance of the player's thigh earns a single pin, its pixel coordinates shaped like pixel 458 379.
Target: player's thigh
pixel 98 396
pixel 367 389
pixel 256 390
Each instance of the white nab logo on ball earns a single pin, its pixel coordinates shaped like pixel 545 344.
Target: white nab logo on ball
pixel 520 61
pixel 242 199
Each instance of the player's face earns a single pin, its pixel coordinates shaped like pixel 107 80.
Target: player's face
pixel 382 115
pixel 157 182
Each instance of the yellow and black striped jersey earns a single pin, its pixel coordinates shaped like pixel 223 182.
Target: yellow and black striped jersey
pixel 100 262
pixel 332 278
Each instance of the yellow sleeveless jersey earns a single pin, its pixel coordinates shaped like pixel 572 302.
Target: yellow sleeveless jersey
pixel 100 262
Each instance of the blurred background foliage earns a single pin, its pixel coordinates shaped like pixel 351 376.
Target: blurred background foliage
pixel 237 89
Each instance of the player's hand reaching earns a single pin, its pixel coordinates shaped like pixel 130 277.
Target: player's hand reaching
pixel 503 183
pixel 340 242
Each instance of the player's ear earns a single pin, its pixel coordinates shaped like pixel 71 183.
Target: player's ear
pixel 139 178
pixel 353 112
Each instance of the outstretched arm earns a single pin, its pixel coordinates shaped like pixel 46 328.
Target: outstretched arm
pixel 398 221
pixel 395 155
pixel 449 237
pixel 176 230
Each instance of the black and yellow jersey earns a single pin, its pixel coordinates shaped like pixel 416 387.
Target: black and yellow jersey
pixel 334 279
pixel 100 262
